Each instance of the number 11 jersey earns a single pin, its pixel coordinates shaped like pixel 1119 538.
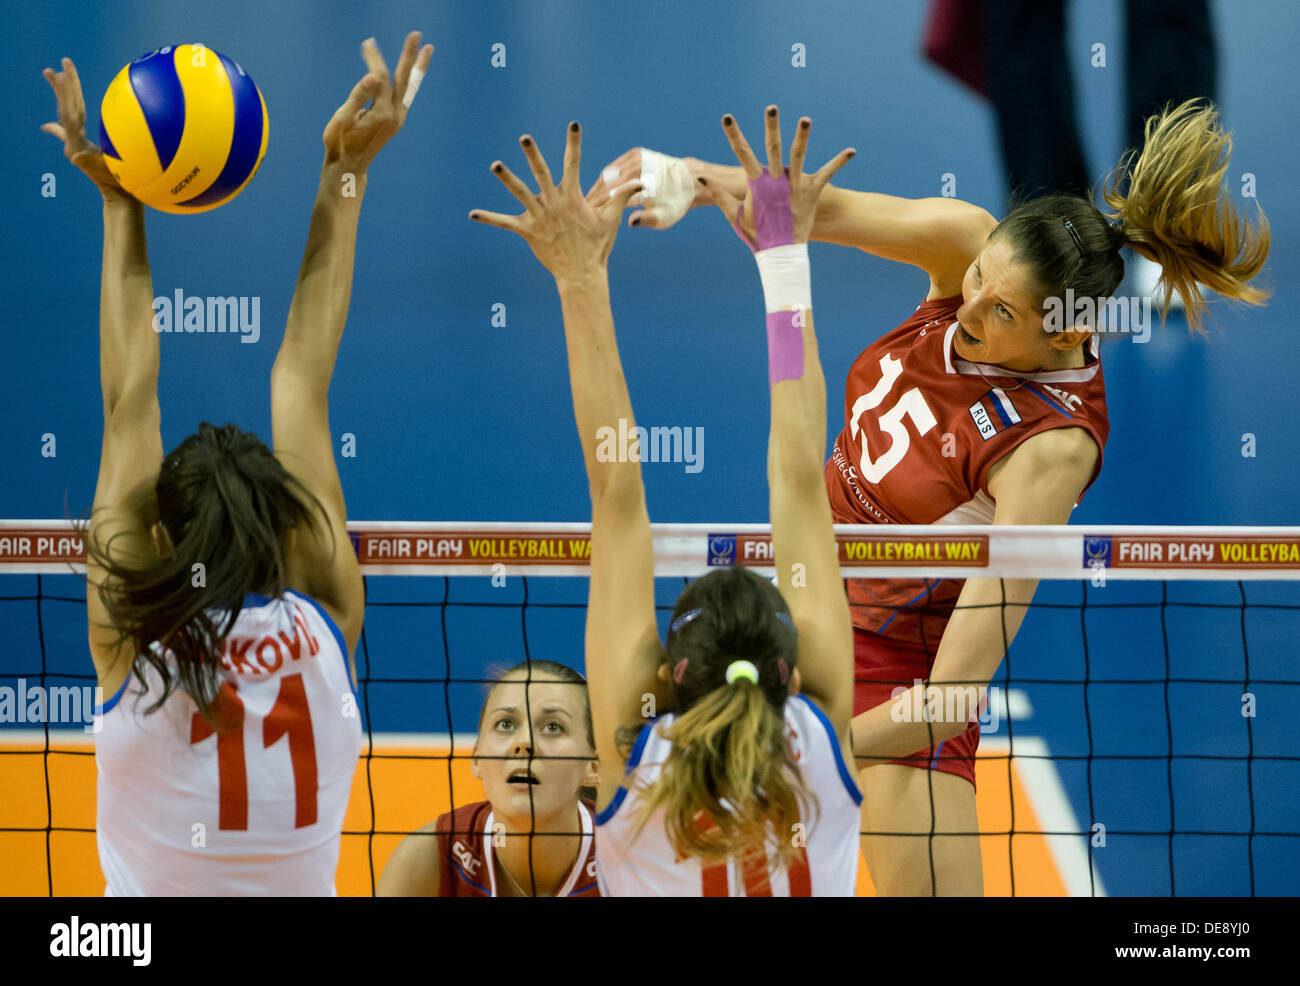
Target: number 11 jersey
pixel 922 429
pixel 252 808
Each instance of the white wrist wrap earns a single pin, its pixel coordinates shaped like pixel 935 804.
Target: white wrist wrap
pixel 786 276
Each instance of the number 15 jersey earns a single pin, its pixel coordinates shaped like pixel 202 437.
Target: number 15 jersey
pixel 922 429
pixel 255 809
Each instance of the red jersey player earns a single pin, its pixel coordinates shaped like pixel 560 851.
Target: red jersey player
pixel 534 836
pixel 973 410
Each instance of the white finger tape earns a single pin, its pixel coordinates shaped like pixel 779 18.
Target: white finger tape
pixel 668 185
pixel 412 86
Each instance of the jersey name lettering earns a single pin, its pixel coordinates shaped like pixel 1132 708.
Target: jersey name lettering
pixel 261 656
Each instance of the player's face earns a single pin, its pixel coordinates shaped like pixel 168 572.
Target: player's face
pixel 523 787
pixel 998 322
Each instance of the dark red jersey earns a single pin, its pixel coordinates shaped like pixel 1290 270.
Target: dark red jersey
pixel 922 429
pixel 468 867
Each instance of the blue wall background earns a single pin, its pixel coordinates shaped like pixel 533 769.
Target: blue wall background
pixel 458 420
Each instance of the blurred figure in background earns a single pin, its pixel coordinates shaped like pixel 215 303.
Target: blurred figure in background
pixel 1025 72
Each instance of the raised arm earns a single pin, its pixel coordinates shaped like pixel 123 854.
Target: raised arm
pixel 572 236
pixel 803 539
pixel 131 453
pixel 327 568
pixel 939 235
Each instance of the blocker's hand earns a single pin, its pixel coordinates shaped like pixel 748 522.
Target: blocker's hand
pixel 71 129
pixel 804 190
pixel 570 234
pixel 356 132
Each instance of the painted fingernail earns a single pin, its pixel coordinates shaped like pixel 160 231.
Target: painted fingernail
pixel 726 120
pixel 771 111
pixel 805 123
pixel 496 168
pixel 526 142
pixel 573 127
pixel 636 222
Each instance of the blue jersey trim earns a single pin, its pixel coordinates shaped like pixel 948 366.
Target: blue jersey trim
pixel 633 762
pixel 937 750
pixel 915 599
pixel 108 706
pixel 252 600
pixel 845 775
pixel 466 879
pixel 338 636
pixel 1047 400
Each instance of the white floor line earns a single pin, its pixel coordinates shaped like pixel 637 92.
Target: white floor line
pixel 1042 783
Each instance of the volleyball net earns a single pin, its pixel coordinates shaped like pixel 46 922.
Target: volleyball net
pixel 1137 738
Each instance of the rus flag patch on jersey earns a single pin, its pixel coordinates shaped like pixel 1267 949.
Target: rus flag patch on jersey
pixel 993 412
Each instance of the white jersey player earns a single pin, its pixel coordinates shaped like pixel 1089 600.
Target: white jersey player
pixel 644 864
pixel 743 788
pixel 272 784
pixel 224 598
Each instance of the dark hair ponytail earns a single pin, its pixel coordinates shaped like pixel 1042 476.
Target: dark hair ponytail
pixel 1067 245
pixel 226 504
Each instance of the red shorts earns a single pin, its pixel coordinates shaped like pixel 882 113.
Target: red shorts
pixel 881 664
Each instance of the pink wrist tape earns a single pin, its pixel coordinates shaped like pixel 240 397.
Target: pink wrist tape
pixel 784 346
pixel 783 267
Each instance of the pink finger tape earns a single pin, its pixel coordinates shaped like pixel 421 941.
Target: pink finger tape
pixel 773 220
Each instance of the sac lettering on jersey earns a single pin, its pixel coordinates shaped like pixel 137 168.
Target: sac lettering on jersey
pixel 465 848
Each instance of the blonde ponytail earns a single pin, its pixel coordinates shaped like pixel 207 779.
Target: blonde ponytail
pixel 730 785
pixel 1177 212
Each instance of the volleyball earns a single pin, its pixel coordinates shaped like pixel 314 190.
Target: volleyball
pixel 183 128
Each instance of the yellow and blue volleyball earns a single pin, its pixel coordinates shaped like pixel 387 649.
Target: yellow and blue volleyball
pixel 183 128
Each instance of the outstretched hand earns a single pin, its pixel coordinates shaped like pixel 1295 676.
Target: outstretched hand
pixel 804 190
pixel 356 132
pixel 71 129
pixel 570 234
